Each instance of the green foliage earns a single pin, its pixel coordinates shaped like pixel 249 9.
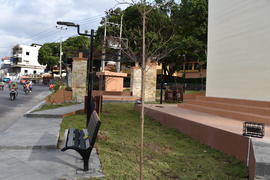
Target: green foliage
pixel 49 55
pixel 49 52
pixel 72 45
pixel 57 85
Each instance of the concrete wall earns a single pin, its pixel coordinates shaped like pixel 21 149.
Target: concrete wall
pixel 150 82
pixel 238 64
pixel 79 68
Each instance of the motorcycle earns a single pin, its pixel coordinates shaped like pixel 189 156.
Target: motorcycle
pixel 2 85
pixel 12 94
pixel 27 89
pixel 51 87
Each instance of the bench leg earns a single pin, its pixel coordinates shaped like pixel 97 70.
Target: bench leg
pixel 85 164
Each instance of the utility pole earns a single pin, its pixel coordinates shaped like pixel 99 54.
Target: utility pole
pixel 120 46
pixel 103 57
pixel 61 52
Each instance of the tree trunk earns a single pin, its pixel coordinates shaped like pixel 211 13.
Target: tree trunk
pixel 142 97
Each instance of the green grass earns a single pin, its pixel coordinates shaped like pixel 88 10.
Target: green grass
pixel 168 153
pixel 53 106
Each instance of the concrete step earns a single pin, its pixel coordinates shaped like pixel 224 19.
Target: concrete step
pixel 262 155
pixel 243 116
pixel 235 101
pixel 232 107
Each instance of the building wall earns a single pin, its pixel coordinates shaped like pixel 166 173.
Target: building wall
pixel 32 58
pixel 238 64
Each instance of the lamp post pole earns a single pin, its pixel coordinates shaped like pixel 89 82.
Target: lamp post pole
pixel 90 103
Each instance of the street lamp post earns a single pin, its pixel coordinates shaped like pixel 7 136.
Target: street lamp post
pixel 90 78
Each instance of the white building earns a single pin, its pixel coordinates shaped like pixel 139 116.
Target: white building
pixel 238 64
pixel 25 60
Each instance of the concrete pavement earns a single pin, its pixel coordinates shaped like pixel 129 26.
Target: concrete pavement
pixel 28 150
pixel 11 111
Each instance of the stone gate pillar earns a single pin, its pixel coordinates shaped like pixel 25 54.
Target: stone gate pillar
pixel 150 82
pixel 79 74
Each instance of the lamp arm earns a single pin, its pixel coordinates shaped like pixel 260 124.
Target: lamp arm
pixel 78 31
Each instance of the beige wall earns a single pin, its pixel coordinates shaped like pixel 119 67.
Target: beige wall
pixel 238 64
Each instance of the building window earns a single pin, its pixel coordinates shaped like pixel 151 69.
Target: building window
pixel 35 72
pixel 197 66
pixel 188 66
pixel 27 53
pixel 25 71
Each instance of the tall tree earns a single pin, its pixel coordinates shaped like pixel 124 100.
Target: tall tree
pixel 49 55
pixel 49 52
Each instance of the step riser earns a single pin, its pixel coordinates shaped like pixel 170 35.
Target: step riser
pixel 233 115
pixel 231 107
pixel 235 101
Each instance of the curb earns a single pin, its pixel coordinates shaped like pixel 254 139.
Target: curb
pixel 32 115
pixel 34 108
pixel 28 147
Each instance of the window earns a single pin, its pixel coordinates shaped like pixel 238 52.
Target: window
pixel 25 71
pixel 27 53
pixel 35 72
pixel 197 66
pixel 188 66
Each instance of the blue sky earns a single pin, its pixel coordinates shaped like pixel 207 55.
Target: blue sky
pixel 34 21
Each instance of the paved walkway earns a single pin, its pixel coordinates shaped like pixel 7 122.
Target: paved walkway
pixel 28 150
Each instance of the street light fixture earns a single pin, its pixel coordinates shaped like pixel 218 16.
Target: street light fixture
pixel 90 104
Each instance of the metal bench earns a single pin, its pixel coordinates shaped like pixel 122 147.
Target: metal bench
pixel 83 140
pixel 253 129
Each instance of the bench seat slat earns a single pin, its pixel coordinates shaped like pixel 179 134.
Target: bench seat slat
pixel 70 136
pixel 85 144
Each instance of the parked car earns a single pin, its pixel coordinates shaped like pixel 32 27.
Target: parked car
pixel 6 80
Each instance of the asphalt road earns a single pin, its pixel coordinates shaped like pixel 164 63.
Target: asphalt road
pixel 10 111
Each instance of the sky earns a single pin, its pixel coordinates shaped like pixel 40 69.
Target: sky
pixel 34 21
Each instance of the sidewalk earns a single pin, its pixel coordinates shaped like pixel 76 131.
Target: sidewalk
pixel 28 149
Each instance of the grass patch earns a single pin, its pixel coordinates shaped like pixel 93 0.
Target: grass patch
pixel 53 106
pixel 168 153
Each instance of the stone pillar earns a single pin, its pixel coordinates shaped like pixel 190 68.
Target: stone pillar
pixel 79 74
pixel 150 82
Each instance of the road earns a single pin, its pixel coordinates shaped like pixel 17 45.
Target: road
pixel 10 111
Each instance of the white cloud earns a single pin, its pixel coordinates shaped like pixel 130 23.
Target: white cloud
pixel 27 21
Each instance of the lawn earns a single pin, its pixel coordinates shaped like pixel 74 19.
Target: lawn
pixel 168 153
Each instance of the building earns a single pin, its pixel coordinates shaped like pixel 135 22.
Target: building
pixel 238 62
pixel 25 60
pixel 5 66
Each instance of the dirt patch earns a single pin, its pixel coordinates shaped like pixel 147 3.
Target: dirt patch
pixel 59 97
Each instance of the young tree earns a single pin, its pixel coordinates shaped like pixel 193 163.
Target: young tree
pixel 149 32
